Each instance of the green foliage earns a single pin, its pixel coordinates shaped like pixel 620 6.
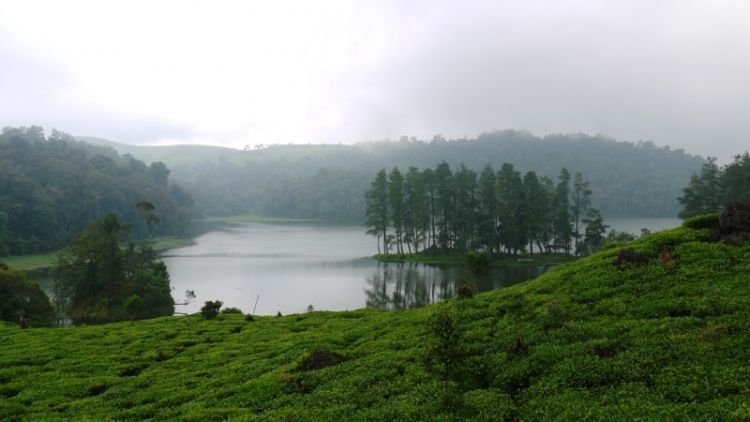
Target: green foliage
pixel 593 236
pixel 443 212
pixel 477 262
pixel 714 186
pixel 211 308
pixel 95 277
pixel 51 187
pixel 641 343
pixel 134 306
pixel 231 311
pixel 23 300
pixel 615 237
pixel 444 349
pixel 705 221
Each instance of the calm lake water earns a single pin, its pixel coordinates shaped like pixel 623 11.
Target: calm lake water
pixel 292 266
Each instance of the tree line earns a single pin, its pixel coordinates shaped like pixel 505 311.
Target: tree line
pixel 440 211
pixel 716 185
pixel 326 181
pixel 51 187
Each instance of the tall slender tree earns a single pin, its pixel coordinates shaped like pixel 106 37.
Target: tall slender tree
pixel 396 201
pixel 562 220
pixel 443 188
pixel 580 203
pixel 376 209
pixel 487 226
pixel 535 200
pixel 465 209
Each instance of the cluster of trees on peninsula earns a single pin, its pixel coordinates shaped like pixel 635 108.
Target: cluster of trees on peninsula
pixel 96 279
pixel 51 187
pixel 716 185
pixel 103 276
pixel 441 211
pixel 326 181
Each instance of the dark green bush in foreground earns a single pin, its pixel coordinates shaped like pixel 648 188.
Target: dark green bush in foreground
pixel 23 301
pixel 585 341
pixel 211 308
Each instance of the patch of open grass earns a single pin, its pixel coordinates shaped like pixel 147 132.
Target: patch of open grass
pixel 30 262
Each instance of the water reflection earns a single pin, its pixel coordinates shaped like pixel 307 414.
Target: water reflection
pixel 411 285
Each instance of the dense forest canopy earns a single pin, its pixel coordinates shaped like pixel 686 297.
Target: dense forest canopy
pixel 51 187
pixel 326 181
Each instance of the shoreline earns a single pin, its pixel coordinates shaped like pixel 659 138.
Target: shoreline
pixel 458 259
pixel 41 262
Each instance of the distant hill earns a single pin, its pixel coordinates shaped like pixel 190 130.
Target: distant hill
pixel 327 181
pixel 659 339
pixel 171 155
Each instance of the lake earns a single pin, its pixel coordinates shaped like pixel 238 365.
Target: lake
pixel 288 267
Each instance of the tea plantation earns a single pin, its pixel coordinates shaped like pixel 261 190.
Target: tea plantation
pixel 662 337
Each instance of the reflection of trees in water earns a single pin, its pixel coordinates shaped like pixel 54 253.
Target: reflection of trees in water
pixel 408 285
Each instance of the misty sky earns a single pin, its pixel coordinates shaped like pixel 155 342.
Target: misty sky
pixel 236 73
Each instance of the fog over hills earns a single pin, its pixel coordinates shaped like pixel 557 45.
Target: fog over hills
pixel 327 181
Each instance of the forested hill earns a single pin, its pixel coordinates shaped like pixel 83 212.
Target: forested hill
pixel 327 181
pixel 51 187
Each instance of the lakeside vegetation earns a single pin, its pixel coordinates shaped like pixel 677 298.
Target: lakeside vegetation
pixel 716 185
pixel 663 336
pixel 458 259
pixel 45 261
pixel 441 212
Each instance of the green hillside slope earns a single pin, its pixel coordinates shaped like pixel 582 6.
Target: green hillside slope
pixel 662 339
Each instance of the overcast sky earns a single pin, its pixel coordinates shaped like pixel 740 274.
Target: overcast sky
pixel 236 73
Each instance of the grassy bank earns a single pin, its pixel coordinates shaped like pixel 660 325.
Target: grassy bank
pixel 42 261
pixel 666 337
pixel 459 259
pixel 253 218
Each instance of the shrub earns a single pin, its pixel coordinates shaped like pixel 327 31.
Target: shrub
pixel 22 301
pixel 465 291
pixel 705 221
pixel 444 344
pixel 133 306
pixel 211 308
pixel 231 311
pixel 249 318
pixel 477 262
pixel 553 316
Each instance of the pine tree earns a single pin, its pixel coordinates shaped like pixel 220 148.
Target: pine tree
pixel 487 225
pixel 535 201
pixel 376 209
pixel 396 202
pixel 562 219
pixel 581 200
pixel 704 193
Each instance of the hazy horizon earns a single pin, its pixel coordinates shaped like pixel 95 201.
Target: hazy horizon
pixel 236 74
